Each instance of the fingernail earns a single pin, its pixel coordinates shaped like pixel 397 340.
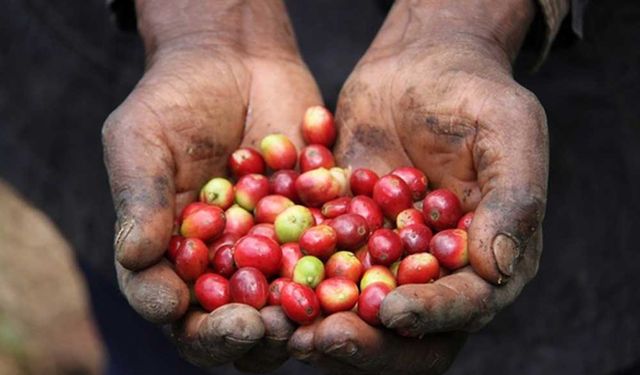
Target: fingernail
pixel 301 345
pixel 506 254
pixel 343 349
pixel 403 321
pixel 123 228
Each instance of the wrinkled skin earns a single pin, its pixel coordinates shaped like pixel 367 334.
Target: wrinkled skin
pixel 448 105
pixel 440 97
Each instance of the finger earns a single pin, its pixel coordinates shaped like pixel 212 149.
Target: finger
pixel 185 335
pixel 347 339
pixel 279 98
pixel 301 345
pixel 511 157
pixel 271 352
pixel 461 301
pixel 140 174
pixel 230 331
pixel 156 293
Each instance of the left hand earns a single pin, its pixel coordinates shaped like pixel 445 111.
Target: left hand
pixel 435 90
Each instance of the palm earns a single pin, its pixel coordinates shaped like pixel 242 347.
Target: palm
pixel 434 109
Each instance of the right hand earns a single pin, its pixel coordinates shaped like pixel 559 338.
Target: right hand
pixel 436 91
pixel 204 94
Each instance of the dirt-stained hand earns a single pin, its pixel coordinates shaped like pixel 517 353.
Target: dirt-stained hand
pixel 435 90
pixel 204 93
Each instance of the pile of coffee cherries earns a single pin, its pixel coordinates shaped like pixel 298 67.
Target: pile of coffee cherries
pixel 319 240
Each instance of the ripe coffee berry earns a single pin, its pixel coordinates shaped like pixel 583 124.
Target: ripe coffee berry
pixel 415 180
pixel 282 182
pixel 441 209
pixel 319 241
pixel 465 221
pixel 174 245
pixel 408 217
pixel 369 210
pixel 264 229
pixel 192 259
pixel 450 248
pixel 250 189
pixel 337 294
pixel 202 221
pixel 316 156
pixel 259 252
pixel 415 238
pixel 385 247
pixel 393 195
pixel 376 274
pixel 279 152
pixel 317 186
pixel 418 268
pixel 335 207
pixel 299 303
pixel 249 286
pixel 223 263
pixel 351 229
pixel 362 181
pixel 370 301
pixel 212 291
pixel 318 126
pixel 238 220
pixel 246 161
pixel 290 255
pixel 344 264
pixel 275 290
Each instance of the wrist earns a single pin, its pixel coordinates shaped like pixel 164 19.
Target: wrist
pixel 500 26
pixel 251 28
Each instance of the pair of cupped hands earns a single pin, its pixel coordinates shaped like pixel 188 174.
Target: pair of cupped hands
pixel 434 90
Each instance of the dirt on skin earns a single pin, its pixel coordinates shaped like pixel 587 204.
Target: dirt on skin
pixel 45 323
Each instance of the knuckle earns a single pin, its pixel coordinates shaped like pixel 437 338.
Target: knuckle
pixel 156 303
pixel 528 111
pixel 156 293
pixel 521 106
pixel 108 137
pixel 236 322
pixel 529 206
pixel 517 210
pixel 109 128
pixel 532 108
pixel 300 345
pixel 277 326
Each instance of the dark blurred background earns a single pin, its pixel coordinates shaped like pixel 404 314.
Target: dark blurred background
pixel 64 66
